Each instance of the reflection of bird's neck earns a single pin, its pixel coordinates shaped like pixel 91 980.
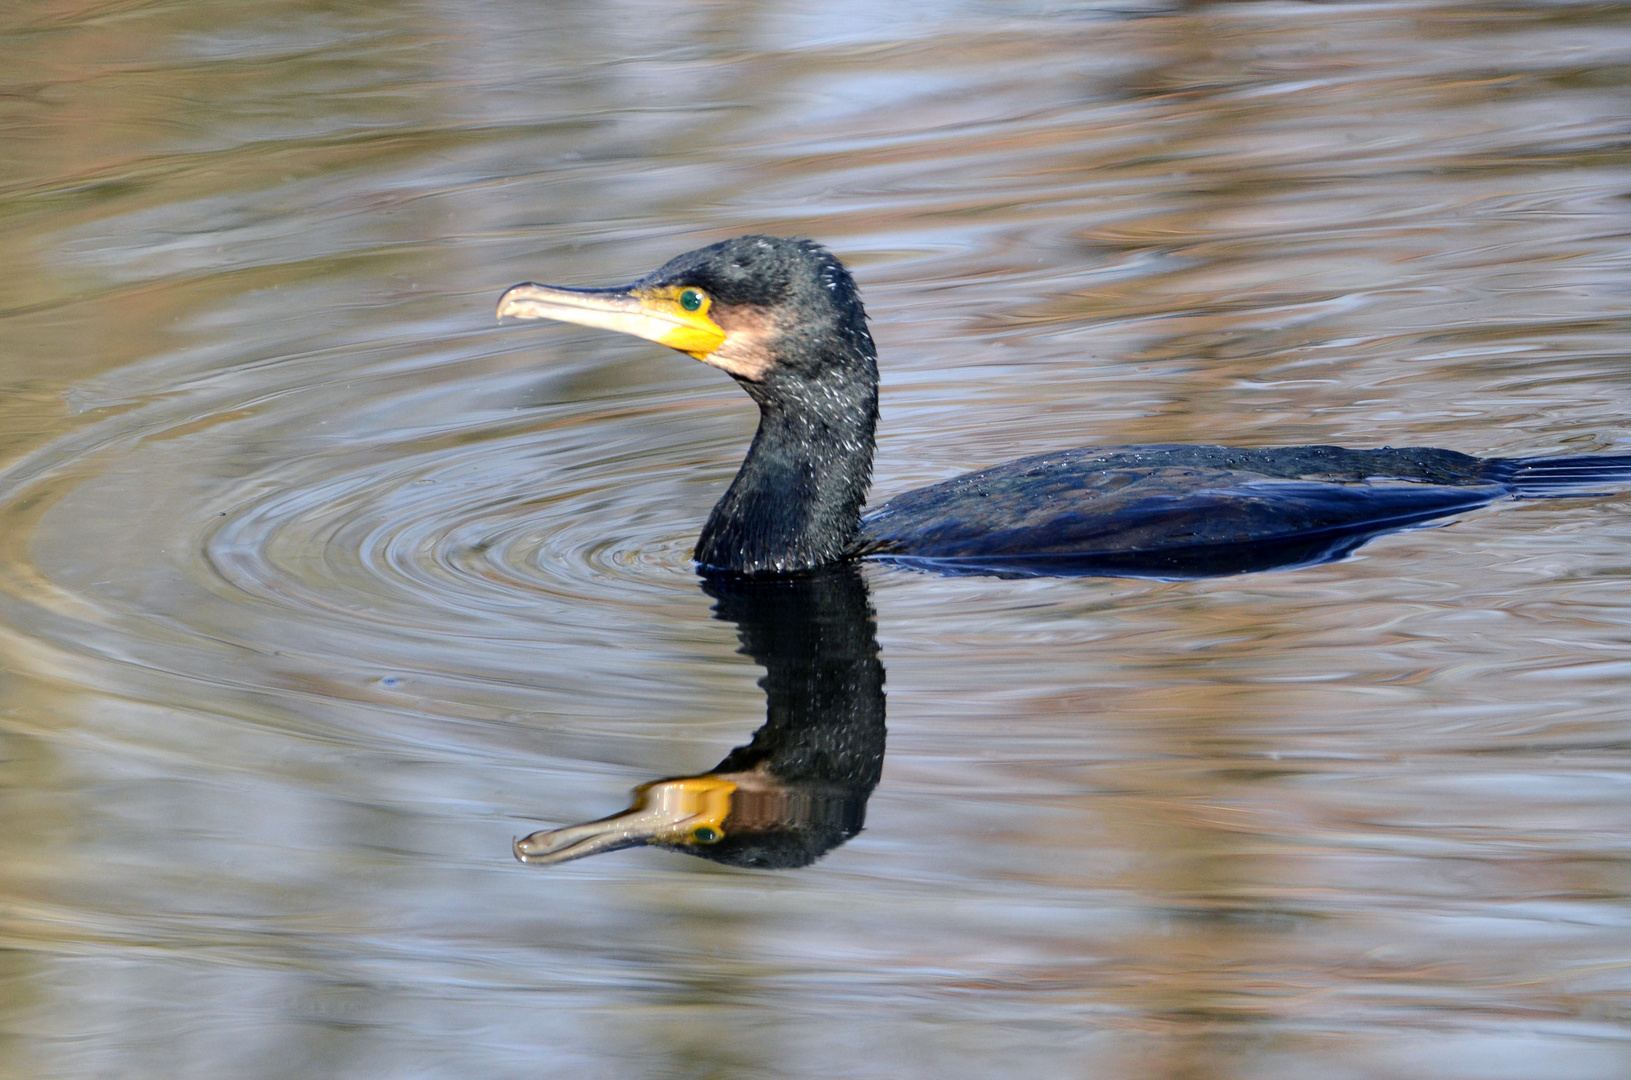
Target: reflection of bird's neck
pixel 817 640
pixel 820 752
pixel 796 503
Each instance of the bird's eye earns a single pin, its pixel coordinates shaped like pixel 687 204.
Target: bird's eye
pixel 706 835
pixel 691 299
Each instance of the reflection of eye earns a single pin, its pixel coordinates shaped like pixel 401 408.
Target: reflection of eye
pixel 691 299
pixel 706 835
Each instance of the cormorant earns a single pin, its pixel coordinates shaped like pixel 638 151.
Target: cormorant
pixel 783 318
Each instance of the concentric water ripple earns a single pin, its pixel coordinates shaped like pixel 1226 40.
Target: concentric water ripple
pixel 451 537
pixel 476 539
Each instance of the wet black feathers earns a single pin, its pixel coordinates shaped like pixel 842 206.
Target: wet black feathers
pixel 1188 511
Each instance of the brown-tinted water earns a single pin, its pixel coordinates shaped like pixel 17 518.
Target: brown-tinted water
pixel 317 586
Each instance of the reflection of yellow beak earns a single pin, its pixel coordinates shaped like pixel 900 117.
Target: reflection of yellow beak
pixel 686 811
pixel 651 314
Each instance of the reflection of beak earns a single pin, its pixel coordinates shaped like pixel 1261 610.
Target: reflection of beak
pixel 687 811
pixel 650 315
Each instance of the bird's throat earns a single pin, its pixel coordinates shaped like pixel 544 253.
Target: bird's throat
pixel 796 502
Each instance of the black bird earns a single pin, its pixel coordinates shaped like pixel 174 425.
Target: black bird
pixel 783 318
pixel 800 787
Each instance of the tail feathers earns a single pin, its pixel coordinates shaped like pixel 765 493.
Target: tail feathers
pixel 1553 477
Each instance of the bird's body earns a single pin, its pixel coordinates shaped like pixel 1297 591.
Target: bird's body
pixel 1187 511
pixel 784 319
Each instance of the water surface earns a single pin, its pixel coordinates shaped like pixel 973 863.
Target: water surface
pixel 317 586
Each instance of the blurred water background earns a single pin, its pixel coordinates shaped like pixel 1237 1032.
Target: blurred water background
pixel 317 585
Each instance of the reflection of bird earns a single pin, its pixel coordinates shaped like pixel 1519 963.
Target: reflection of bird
pixel 801 786
pixel 783 318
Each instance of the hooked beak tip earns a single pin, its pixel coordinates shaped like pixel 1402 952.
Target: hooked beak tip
pixel 511 303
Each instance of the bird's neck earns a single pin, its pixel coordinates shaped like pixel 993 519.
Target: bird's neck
pixel 796 502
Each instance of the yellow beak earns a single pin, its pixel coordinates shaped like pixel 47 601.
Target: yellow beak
pixel 691 810
pixel 653 315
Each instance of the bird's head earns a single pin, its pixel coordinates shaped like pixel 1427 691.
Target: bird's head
pixel 764 309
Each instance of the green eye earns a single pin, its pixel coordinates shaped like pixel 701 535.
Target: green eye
pixel 706 835
pixel 691 299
